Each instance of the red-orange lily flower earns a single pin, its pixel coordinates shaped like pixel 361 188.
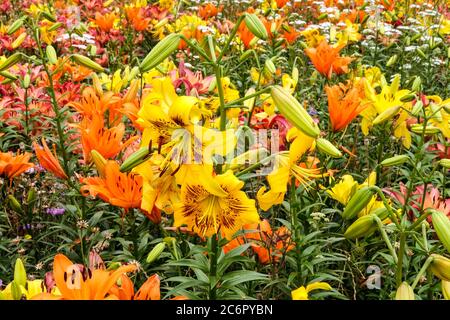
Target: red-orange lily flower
pixel 326 59
pixel 344 104
pixel 150 290
pixel 11 166
pixel 75 282
pixel 49 160
pixel 117 188
pixel 268 245
pixel 275 245
pixel 209 10
pixel 136 16
pixel 105 21
pixel 107 141
pixel 95 104
pixel 245 34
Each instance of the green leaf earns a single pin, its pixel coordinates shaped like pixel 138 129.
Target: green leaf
pixel 236 277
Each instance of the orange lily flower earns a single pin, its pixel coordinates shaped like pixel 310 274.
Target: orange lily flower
pixel 209 10
pixel 281 3
pixel 245 35
pixel 49 160
pixel 105 22
pixel 12 166
pixel 107 141
pixel 268 245
pixel 95 104
pixel 344 105
pixel 78 283
pixel 117 188
pixel 275 245
pixel 136 17
pixel 149 290
pixel 326 59
pixel 290 34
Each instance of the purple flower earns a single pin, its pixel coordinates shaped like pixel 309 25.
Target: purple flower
pixel 56 211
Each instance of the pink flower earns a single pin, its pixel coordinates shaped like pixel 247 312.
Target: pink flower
pixel 431 200
pixel 194 83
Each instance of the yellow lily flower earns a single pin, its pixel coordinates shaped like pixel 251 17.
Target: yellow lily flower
pixel 349 34
pixel 159 187
pixel 344 190
pixel 438 115
pixel 389 97
pixel 302 293
pixel 213 204
pixel 287 166
pixel 312 37
pixel 119 80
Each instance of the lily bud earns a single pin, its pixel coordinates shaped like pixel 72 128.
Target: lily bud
pixel 88 63
pixel 8 75
pixel 55 26
pixel 294 75
pixel 445 163
pixel 328 148
pixel 394 161
pixel 416 84
pixel 440 266
pixel 31 197
pixel 418 128
pixel 269 65
pixel 48 16
pixel 386 115
pixel 10 61
pixel 99 162
pixel 156 252
pixel 421 53
pixel 160 52
pixel 382 213
pixel 294 111
pixel 408 97
pixel 247 54
pixel 161 23
pixel 417 108
pixel 14 26
pixel 436 111
pixel 20 275
pixel 51 54
pixel 359 201
pixel 16 43
pixel 362 227
pixel 15 205
pixel 26 81
pixel 405 292
pixel 446 289
pixel 135 159
pixel 255 26
pixel 392 60
pixel 441 225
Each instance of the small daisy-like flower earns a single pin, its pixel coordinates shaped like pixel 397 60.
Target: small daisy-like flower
pixel 82 224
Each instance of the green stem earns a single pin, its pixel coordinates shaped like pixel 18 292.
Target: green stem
pixel 230 38
pixel 213 268
pixel 399 271
pixel 419 220
pixel 222 109
pixel 386 238
pixel 421 272
pixel 254 166
pixel 237 101
pixel 54 102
